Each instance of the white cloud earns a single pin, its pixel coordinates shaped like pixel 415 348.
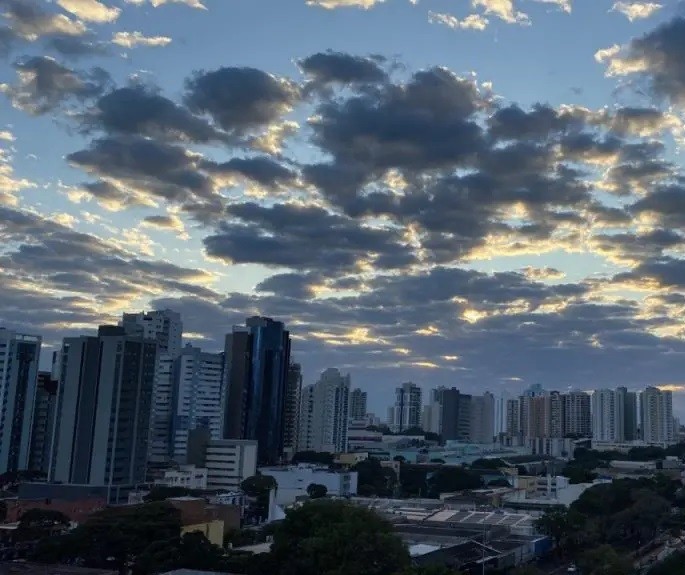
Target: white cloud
pixel 564 5
pixel 618 65
pixel 636 10
pixel 502 9
pixel 132 39
pixel 331 4
pixel 90 10
pixel 156 3
pixel 471 22
pixel 6 136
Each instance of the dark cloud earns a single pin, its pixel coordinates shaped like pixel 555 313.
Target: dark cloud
pixel 666 203
pixel 44 84
pixel 137 110
pixel 240 100
pixel 291 285
pixel 8 39
pixel 75 47
pixel 667 272
pixel 541 122
pixel 260 169
pixel 29 20
pixel 327 68
pixel 304 238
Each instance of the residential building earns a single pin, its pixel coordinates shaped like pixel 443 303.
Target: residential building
pixel 656 416
pixel 325 413
pixel 513 417
pixel 551 446
pixel 482 416
pixel 456 415
pixel 164 326
pixel 293 481
pixel 554 415
pixel 19 358
pixel 358 404
pixel 103 409
pixel 577 414
pixel 501 413
pixel 431 418
pixel 406 413
pixel 257 362
pixel 43 423
pixel 608 415
pixel 187 476
pixel 292 409
pixel 630 421
pixel 229 462
pixel 198 379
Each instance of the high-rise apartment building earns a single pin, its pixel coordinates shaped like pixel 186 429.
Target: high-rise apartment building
pixel 103 409
pixel 257 363
pixel 198 378
pixel 431 417
pixel 43 423
pixel 19 358
pixel 482 427
pixel 513 417
pixel 406 413
pixel 292 409
pixel 656 416
pixel 630 420
pixel 456 415
pixel 608 415
pixel 325 414
pixel 164 326
pixel 577 414
pixel 358 404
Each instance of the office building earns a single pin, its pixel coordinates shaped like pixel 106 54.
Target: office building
pixel 198 378
pixel 43 423
pixel 19 358
pixel 431 417
pixel 608 415
pixel 257 363
pixel 293 481
pixel 357 404
pixel 656 416
pixel 103 409
pixel 482 428
pixel 325 413
pixel 406 413
pixel 577 414
pixel 292 409
pixel 456 415
pixel 164 326
pixel 229 462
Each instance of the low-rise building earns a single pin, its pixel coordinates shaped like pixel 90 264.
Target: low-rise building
pixel 229 462
pixel 293 481
pixel 187 476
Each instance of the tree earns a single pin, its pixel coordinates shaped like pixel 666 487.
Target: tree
pixel 449 479
pixel 413 431
pixel 317 491
pixel 484 463
pixel 323 458
pixel 374 479
pixel 259 487
pixel 162 493
pixel 39 523
pixel 327 537
pixel 674 564
pixel 562 525
pixel 604 560
pixel 191 551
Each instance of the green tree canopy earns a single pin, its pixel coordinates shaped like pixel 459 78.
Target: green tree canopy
pixel 317 491
pixel 604 560
pixel 333 538
pixel 373 479
pixel 191 551
pixel 448 479
pixel 323 458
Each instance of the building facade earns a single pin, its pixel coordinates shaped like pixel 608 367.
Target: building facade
pixel 482 429
pixel 293 481
pixel 257 362
pixel 656 416
pixel 164 326
pixel 577 414
pixel 325 413
pixel 19 358
pixel 456 415
pixel 43 423
pixel 103 409
pixel 358 404
pixel 406 412
pixel 229 462
pixel 292 409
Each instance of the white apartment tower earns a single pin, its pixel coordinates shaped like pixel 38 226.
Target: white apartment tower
pixel 656 416
pixel 406 413
pixel 577 414
pixel 196 398
pixel 482 418
pixel 324 413
pixel 19 357
pixel 164 326
pixel 607 415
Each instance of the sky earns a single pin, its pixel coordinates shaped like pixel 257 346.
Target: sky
pixel 484 194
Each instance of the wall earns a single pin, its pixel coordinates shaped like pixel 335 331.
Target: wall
pixel 76 510
pixel 212 530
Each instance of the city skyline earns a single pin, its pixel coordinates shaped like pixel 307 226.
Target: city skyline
pixel 451 200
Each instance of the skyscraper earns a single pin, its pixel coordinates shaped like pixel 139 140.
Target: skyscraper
pixel 326 413
pixel 577 414
pixel 608 415
pixel 198 378
pixel 164 326
pixel 257 362
pixel 406 413
pixel 482 428
pixel 358 404
pixel 43 422
pixel 456 415
pixel 19 357
pixel 103 409
pixel 513 418
pixel 630 426
pixel 292 408
pixel 656 416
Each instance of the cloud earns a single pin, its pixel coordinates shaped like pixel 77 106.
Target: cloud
pixel 327 68
pixel 90 10
pixel 502 9
pixel 10 185
pixel 636 10
pixel 332 4
pixel 564 5
pixel 29 21
pixel 44 84
pixel 133 39
pixel 156 3
pixel 471 22
pixel 241 100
